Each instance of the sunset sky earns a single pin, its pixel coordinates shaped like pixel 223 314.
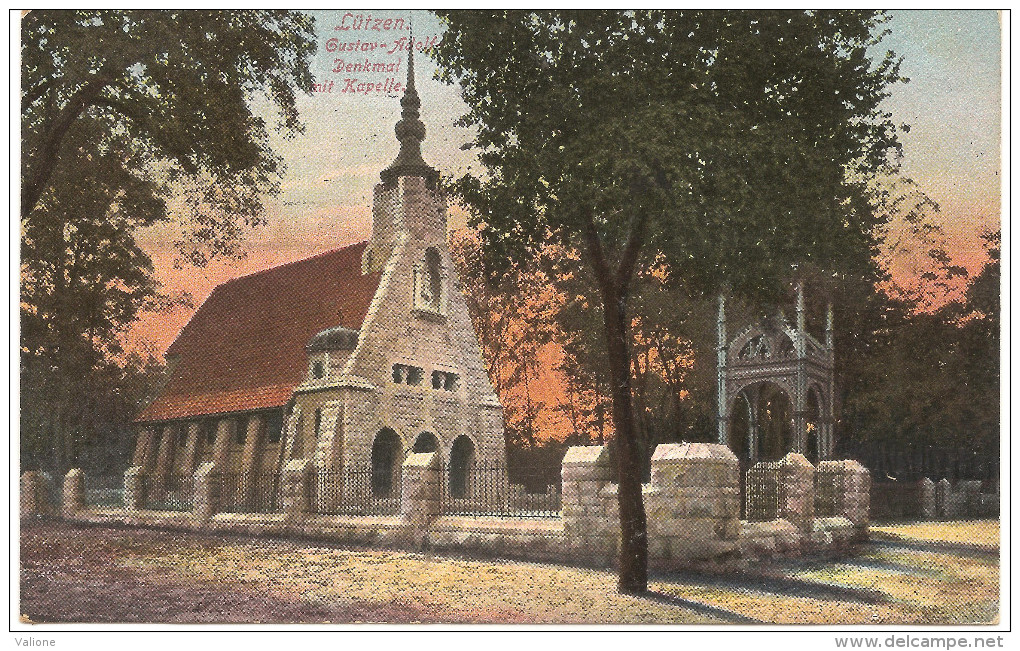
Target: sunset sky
pixel 952 104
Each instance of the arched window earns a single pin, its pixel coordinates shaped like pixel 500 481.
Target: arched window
pixel 462 457
pixel 429 283
pixel 426 442
pixel 385 462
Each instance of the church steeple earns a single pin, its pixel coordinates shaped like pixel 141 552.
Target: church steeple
pixel 410 132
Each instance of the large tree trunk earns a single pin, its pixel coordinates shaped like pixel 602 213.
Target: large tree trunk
pixel 614 287
pixel 633 530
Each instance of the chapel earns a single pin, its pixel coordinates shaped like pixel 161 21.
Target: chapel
pixel 354 358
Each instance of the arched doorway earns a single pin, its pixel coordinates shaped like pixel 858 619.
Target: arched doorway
pixel 426 442
pixel 386 453
pixel 462 457
pixel 775 423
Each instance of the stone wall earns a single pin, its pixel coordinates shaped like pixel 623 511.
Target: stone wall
pixel 692 504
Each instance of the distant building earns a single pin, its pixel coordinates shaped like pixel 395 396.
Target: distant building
pixel 351 359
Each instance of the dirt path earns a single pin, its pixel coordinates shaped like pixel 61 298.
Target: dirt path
pixel 93 575
pixel 72 574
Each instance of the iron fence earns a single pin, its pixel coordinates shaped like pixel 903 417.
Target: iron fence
pixel 761 490
pixel 104 490
pixel 906 462
pixel 355 491
pixel 487 490
pixel 173 493
pixel 248 492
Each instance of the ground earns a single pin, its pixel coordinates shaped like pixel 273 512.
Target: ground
pixel 976 533
pixel 95 574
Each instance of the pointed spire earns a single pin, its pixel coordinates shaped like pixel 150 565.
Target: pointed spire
pixel 410 132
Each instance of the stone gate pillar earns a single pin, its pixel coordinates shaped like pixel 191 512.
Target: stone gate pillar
pixel 134 488
pixel 294 486
pixel 420 491
pixel 692 503
pixel 74 493
pixel 588 509
pixel 797 492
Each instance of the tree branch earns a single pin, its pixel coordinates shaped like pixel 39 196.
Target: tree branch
pixel 82 99
pixel 603 273
pixel 632 249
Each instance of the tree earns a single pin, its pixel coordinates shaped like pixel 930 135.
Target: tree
pixel 131 120
pixel 170 90
pixel 722 145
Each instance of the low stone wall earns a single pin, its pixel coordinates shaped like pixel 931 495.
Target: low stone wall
pixel 530 539
pixel 692 506
pixel 759 540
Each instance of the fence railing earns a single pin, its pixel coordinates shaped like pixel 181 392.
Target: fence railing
pixel 487 490
pixel 104 490
pixel 761 491
pixel 890 462
pixel 355 491
pixel 243 492
pixel 173 493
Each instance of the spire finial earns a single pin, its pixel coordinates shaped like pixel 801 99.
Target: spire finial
pixel 410 132
pixel 410 61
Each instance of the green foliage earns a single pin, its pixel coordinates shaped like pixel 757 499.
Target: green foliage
pixel 928 377
pixel 133 120
pixel 85 420
pixel 744 139
pixel 167 91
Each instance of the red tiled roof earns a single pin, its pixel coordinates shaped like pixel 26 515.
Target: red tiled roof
pixel 244 348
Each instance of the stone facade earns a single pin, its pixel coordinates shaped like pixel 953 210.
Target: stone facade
pixel 400 333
